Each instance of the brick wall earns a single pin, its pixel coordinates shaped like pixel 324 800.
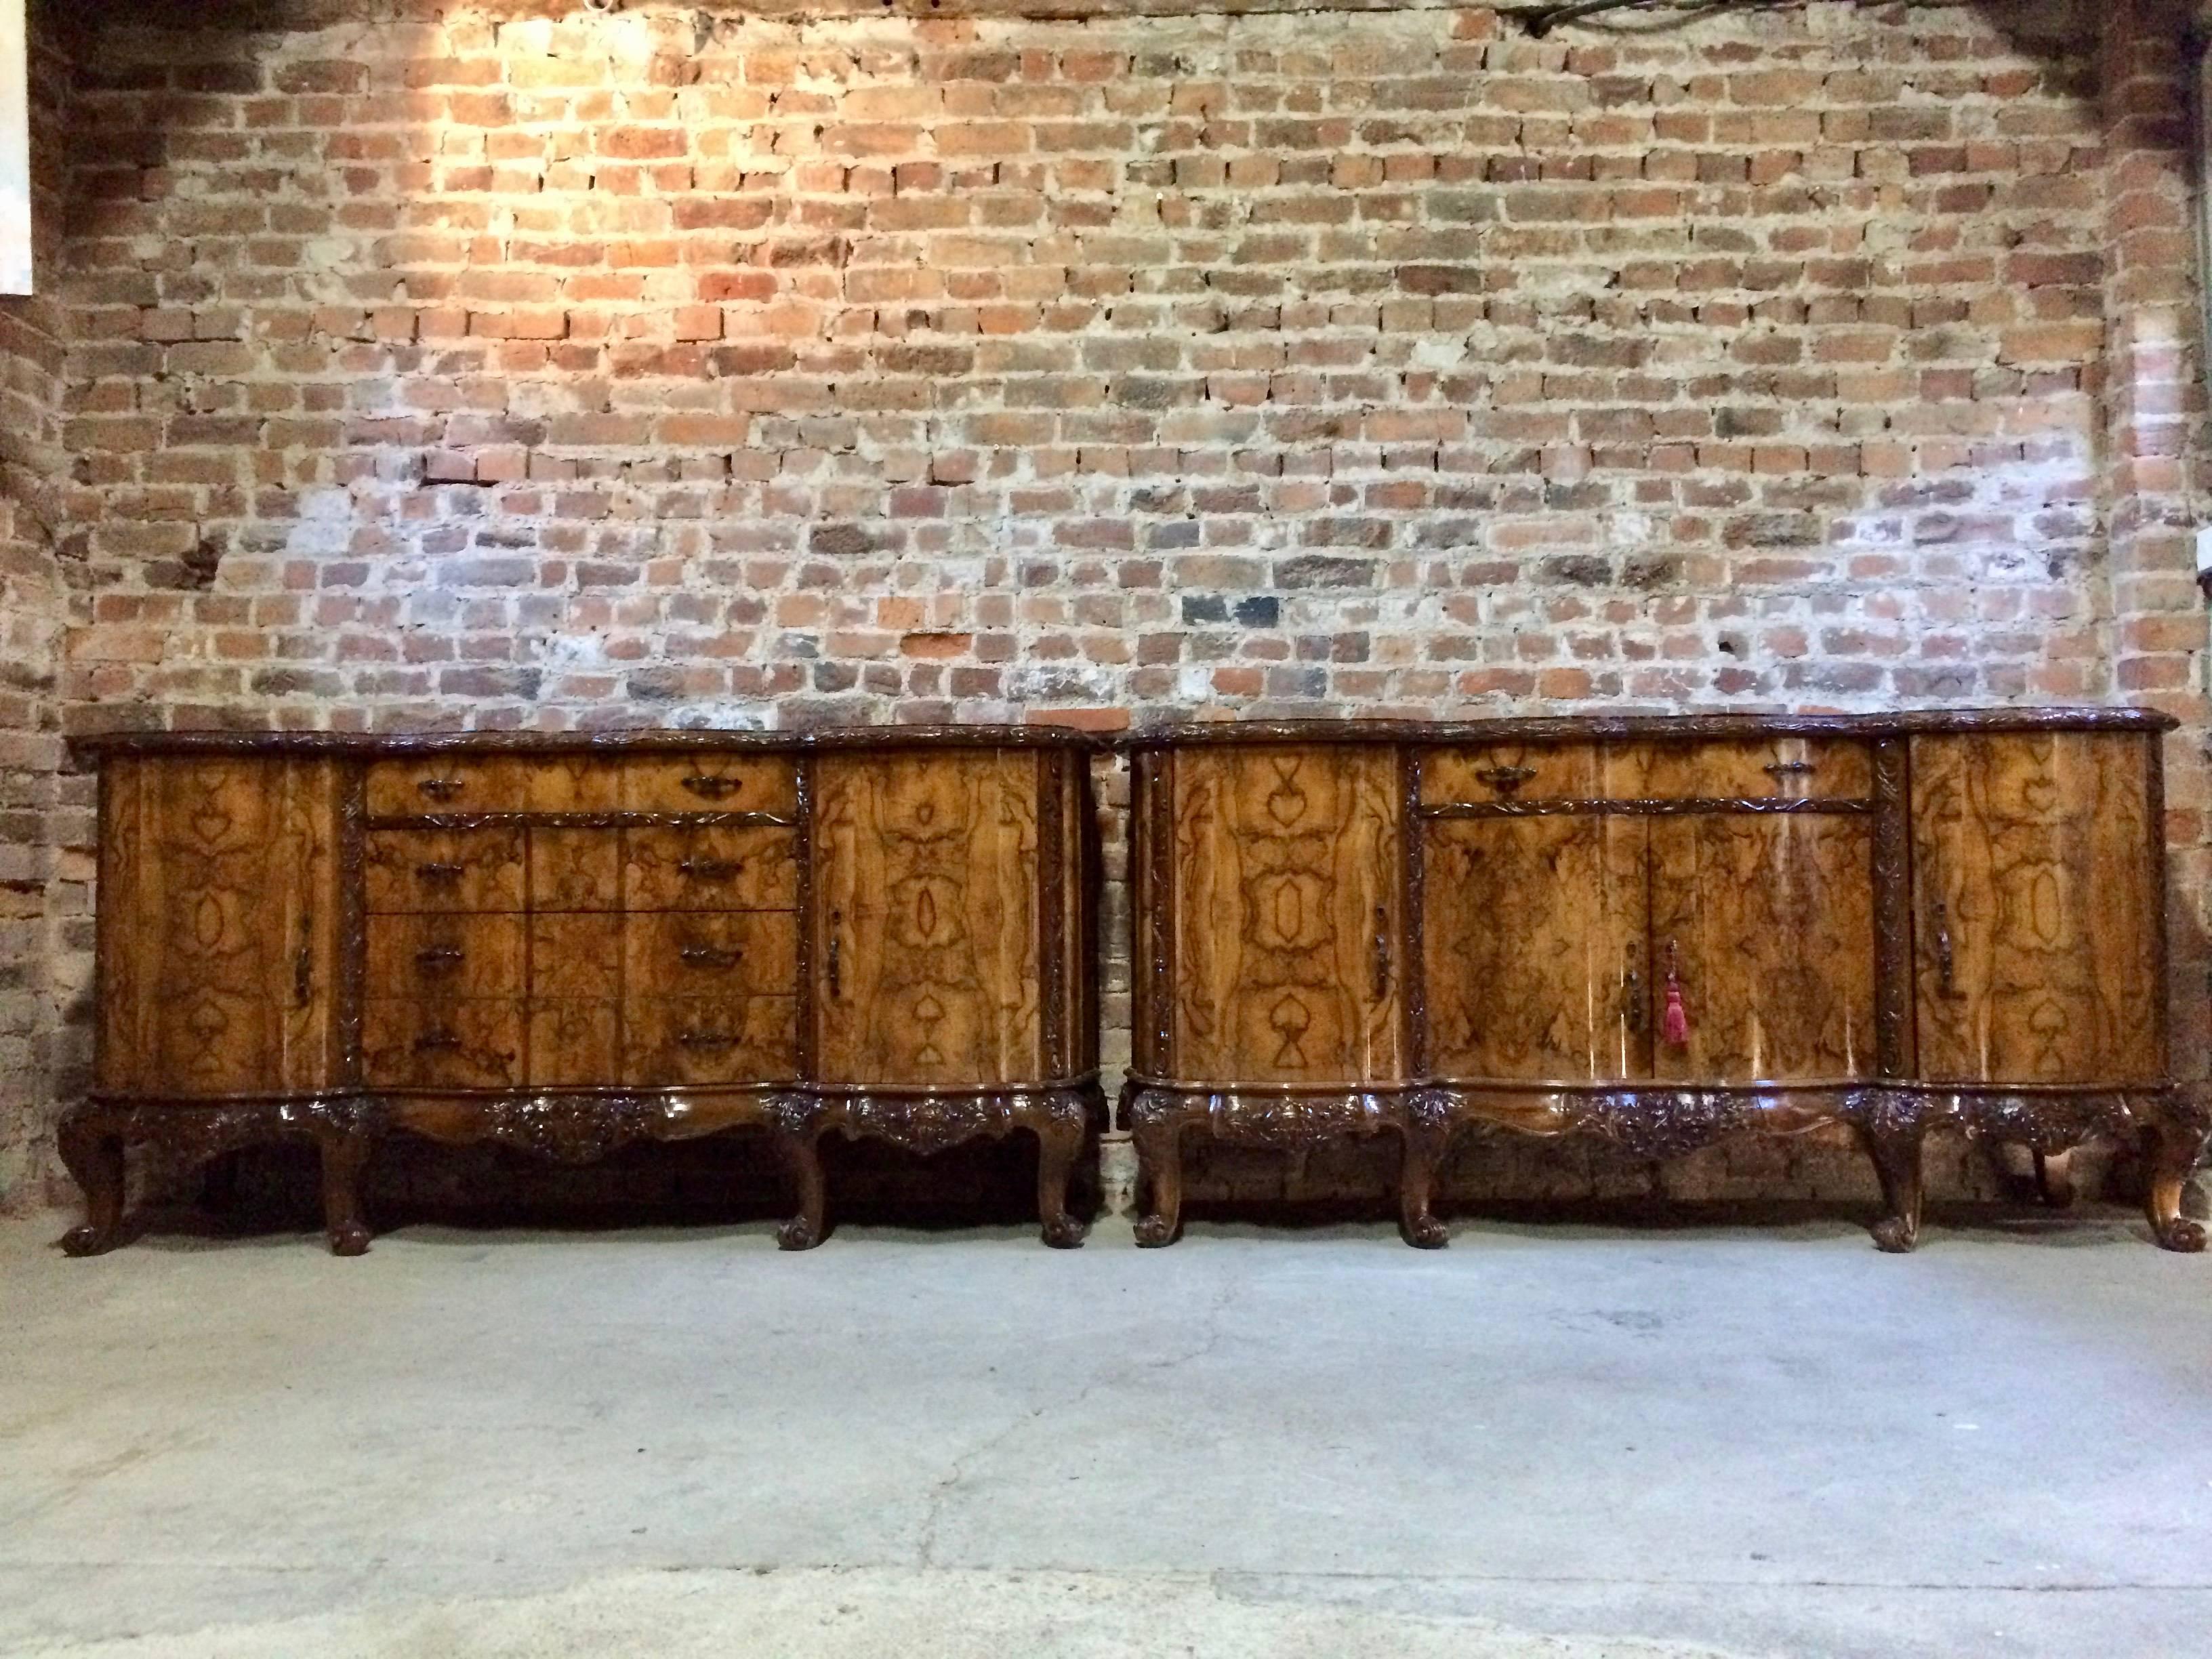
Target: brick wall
pixel 38 896
pixel 439 365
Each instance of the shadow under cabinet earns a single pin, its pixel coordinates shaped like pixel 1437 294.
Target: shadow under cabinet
pixel 568 944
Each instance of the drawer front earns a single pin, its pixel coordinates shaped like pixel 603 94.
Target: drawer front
pixel 710 868
pixel 436 956
pixel 493 783
pixel 451 1044
pixel 713 953
pixel 575 957
pixel 575 869
pixel 576 1045
pixel 1509 771
pixel 710 1040
pixel 443 870
pixel 706 782
pixel 1760 768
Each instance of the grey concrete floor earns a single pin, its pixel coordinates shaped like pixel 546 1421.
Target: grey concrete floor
pixel 1558 1440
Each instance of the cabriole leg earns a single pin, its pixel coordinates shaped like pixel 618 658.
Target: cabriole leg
pixel 93 1156
pixel 1417 1176
pixel 345 1149
pixel 1896 1154
pixel 802 1155
pixel 1061 1140
pixel 2054 1177
pixel 1159 1163
pixel 2173 1151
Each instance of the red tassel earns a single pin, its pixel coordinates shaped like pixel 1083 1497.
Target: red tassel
pixel 1674 1023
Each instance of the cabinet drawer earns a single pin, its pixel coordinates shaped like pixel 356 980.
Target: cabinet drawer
pixel 710 868
pixel 445 955
pixel 709 953
pixel 1759 769
pixel 452 1043
pixel 443 870
pixel 575 956
pixel 705 782
pixel 576 1045
pixel 1509 771
pixel 710 1040
pixel 493 783
pixel 575 869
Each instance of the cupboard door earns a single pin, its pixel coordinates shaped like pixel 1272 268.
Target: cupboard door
pixel 1534 935
pixel 925 924
pixel 1290 955
pixel 1767 920
pixel 219 904
pixel 2037 895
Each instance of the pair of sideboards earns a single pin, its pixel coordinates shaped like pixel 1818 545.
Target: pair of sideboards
pixel 1664 931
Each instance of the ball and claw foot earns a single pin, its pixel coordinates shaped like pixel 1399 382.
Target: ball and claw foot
pixel 799 1233
pixel 349 1239
pixel 87 1241
pixel 2183 1235
pixel 1062 1233
pixel 1895 1235
pixel 1427 1233
pixel 1154 1231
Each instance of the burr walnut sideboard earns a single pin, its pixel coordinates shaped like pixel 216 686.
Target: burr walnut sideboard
pixel 1663 931
pixel 566 943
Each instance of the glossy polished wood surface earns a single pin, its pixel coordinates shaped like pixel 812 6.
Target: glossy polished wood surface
pixel 1287 900
pixel 1538 953
pixel 2037 898
pixel 1662 932
pixel 219 926
pixel 926 942
pixel 565 946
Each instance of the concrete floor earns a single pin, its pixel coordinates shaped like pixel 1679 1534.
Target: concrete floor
pixel 1560 1440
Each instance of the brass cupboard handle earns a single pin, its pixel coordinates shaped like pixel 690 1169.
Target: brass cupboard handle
pixel 709 786
pixel 836 938
pixel 441 789
pixel 1944 963
pixel 1382 951
pixel 1504 779
pixel 303 965
pixel 1631 991
pixel 706 956
pixel 712 869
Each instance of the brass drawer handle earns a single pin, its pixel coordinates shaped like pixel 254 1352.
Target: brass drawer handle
pixel 712 869
pixel 706 956
pixel 441 789
pixel 434 957
pixel 439 872
pixel 1504 779
pixel 711 786
pixel 430 1040
pixel 1790 768
pixel 707 1040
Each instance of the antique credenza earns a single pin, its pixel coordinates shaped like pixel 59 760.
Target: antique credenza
pixel 569 943
pixel 1663 931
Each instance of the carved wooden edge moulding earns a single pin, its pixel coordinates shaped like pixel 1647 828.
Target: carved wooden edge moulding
pixel 2170 1124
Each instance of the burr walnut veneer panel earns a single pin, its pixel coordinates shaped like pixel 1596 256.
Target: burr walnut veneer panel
pixel 565 944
